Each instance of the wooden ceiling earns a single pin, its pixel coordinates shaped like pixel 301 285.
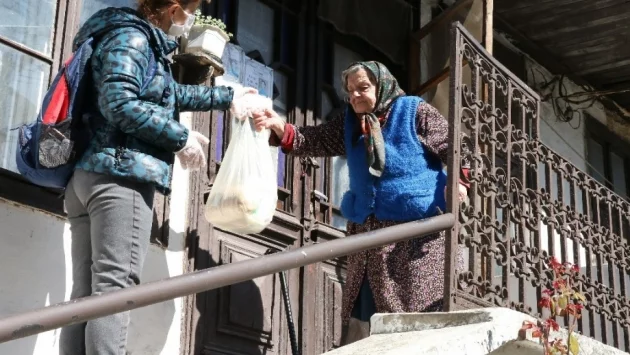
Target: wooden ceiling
pixel 587 40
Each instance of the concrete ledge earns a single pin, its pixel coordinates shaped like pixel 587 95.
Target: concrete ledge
pixel 388 323
pixel 472 332
pixel 519 347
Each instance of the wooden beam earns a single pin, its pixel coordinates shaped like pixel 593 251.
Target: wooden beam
pixel 620 85
pixel 436 80
pixel 414 65
pixel 488 27
pixel 536 52
pixel 433 82
pixel 548 60
pixel 439 19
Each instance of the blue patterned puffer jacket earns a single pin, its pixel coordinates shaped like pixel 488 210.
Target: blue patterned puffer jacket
pixel 135 134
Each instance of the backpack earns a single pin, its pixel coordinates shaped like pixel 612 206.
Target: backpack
pixel 49 147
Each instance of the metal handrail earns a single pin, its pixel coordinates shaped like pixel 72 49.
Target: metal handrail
pixel 84 309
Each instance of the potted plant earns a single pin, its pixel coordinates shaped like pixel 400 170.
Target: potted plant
pixel 208 35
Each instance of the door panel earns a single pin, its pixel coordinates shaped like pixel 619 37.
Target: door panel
pixel 250 317
pixel 246 316
pixel 329 293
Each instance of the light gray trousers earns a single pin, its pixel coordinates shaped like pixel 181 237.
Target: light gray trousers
pixel 110 220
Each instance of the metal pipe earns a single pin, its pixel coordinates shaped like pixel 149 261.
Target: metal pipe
pixel 84 309
pixel 287 307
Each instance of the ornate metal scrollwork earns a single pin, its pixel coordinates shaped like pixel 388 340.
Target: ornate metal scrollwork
pixel 529 204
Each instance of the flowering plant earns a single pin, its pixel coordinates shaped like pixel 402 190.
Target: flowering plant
pixel 203 20
pixel 560 300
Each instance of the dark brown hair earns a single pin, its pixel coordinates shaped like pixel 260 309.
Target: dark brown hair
pixel 152 9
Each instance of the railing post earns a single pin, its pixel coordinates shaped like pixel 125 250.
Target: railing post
pixel 453 168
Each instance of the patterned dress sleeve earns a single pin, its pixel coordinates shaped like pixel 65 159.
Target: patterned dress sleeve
pixel 432 130
pixel 324 140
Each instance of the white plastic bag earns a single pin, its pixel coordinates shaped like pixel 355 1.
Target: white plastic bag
pixel 244 194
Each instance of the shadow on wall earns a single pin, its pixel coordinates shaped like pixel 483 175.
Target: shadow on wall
pixel 150 326
pixel 34 263
pixel 232 319
pixel 33 270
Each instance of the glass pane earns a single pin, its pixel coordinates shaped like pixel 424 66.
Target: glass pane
pixel 89 7
pixel 596 161
pixel 280 105
pixel 278 157
pixel 220 119
pixel 341 184
pixel 281 82
pixel 25 80
pixel 255 28
pixel 618 174
pixel 326 107
pixel 29 22
pixel 340 180
pixel 343 58
pixel 288 35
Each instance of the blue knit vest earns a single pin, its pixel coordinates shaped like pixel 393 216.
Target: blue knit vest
pixel 412 184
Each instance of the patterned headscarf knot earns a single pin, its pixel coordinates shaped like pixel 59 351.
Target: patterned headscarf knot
pixel 387 91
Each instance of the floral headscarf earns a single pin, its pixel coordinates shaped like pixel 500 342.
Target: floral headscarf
pixel 387 91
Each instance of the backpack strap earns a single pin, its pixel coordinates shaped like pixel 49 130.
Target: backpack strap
pixel 152 68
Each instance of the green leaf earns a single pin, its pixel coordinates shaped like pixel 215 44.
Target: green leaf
pixel 579 296
pixel 574 346
pixel 563 301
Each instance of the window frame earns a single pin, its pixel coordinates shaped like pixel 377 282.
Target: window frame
pixel 16 188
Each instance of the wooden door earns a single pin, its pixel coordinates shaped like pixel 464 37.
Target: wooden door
pixel 249 318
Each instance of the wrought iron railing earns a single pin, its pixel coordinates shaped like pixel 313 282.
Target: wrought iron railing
pixel 527 204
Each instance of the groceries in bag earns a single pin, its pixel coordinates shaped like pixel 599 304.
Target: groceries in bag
pixel 244 194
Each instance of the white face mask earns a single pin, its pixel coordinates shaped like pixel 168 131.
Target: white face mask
pixel 181 30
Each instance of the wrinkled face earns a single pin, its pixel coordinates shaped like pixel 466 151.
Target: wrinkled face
pixel 361 92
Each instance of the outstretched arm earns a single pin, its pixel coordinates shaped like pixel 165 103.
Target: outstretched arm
pixel 324 140
pixel 203 98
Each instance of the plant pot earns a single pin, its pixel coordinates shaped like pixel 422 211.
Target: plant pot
pixel 207 39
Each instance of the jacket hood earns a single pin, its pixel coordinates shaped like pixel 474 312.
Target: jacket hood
pixel 113 18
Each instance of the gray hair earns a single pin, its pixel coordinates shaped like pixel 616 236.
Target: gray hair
pixel 351 70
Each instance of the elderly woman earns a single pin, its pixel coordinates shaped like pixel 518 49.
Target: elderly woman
pixel 395 146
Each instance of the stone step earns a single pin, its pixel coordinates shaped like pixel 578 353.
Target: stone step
pixel 470 332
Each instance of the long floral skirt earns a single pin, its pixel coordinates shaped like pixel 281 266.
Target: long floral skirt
pixel 402 277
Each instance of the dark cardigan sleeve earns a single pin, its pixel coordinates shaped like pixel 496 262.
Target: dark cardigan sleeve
pixel 324 140
pixel 327 139
pixel 432 130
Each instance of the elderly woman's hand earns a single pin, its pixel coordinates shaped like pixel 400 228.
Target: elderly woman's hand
pixel 269 119
pixel 463 192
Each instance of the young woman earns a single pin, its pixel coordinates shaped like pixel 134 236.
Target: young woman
pixel 134 118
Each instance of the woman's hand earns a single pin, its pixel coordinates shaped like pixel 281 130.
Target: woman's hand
pixel 240 92
pixel 463 192
pixel 192 156
pixel 269 119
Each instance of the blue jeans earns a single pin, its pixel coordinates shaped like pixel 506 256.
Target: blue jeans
pixel 110 220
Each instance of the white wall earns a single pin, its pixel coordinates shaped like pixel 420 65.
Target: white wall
pixel 36 272
pixel 567 139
